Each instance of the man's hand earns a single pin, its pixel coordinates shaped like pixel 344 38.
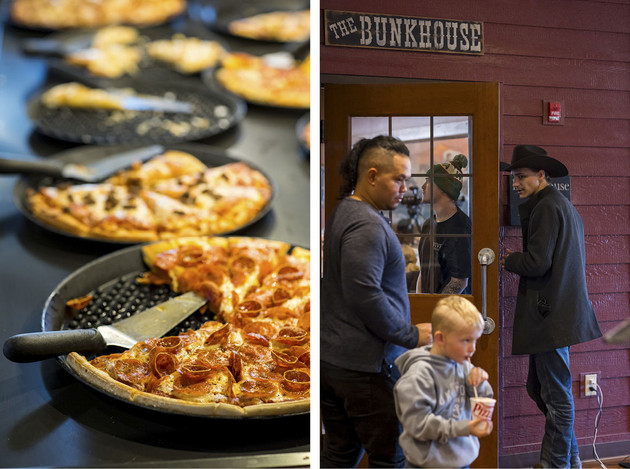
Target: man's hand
pixel 424 334
pixel 504 256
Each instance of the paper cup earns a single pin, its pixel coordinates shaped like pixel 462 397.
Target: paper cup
pixel 482 407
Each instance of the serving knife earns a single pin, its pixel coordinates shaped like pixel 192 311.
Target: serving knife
pixel 93 172
pixel 153 322
pixel 60 44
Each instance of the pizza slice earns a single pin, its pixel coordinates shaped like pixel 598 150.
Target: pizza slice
pixel 186 54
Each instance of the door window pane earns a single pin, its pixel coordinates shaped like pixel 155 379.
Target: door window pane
pixel 433 222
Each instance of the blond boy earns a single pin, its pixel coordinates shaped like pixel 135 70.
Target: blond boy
pixel 433 395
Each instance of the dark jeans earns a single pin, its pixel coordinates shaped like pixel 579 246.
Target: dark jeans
pixel 358 414
pixel 549 385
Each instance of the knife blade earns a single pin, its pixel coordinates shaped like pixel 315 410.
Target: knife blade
pixel 59 45
pixel 152 322
pixel 93 172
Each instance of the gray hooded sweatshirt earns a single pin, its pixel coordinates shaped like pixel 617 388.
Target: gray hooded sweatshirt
pixel 433 405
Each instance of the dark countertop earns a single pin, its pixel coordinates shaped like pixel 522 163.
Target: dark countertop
pixel 51 419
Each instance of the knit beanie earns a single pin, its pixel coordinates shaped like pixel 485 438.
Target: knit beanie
pixel 451 181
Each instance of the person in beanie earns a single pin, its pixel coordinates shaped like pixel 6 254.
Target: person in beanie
pixel 365 316
pixel 553 310
pixel 445 261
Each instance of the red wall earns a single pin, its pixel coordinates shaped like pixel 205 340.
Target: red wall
pixel 577 52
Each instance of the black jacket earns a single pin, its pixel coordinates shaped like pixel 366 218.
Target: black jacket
pixel 552 307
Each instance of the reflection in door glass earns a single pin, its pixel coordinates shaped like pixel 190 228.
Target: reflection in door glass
pixel 433 222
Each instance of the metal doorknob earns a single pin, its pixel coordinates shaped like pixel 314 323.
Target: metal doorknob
pixel 486 257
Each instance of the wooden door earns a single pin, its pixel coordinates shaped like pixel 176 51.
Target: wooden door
pixel 352 111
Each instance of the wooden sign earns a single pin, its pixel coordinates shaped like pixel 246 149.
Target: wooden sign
pixel 563 184
pixel 352 29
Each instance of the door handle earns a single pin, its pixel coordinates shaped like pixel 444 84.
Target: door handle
pixel 486 257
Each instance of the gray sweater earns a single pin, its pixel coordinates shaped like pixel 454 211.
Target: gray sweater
pixel 364 317
pixel 433 404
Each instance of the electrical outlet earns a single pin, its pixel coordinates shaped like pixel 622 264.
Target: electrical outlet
pixel 590 384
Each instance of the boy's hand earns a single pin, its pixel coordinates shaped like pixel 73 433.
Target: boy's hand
pixel 424 334
pixel 480 428
pixel 477 376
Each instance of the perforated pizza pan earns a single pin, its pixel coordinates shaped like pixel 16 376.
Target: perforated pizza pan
pixel 208 155
pixel 214 113
pixel 112 281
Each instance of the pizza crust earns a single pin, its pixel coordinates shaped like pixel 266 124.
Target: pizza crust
pixel 101 380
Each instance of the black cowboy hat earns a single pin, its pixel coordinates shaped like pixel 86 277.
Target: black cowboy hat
pixel 536 158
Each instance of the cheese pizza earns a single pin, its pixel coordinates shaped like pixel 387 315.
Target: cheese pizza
pixel 281 26
pixel 252 359
pixel 262 82
pixel 59 14
pixel 171 195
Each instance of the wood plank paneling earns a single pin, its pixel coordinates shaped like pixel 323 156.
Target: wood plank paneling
pixel 577 52
pixel 525 71
pixel 578 103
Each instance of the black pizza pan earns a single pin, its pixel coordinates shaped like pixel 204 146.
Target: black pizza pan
pixel 111 279
pixel 149 69
pixel 222 13
pixel 213 113
pixel 208 155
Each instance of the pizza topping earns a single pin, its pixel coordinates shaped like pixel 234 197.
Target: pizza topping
pixel 296 381
pixel 257 388
pixel 255 352
pixel 161 198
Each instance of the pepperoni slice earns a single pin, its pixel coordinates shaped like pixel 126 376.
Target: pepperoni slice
pixel 249 308
pixel 220 336
pixel 280 295
pixel 162 363
pixel 190 255
pixel 284 360
pixel 166 260
pixel 257 388
pixel 215 358
pixel 195 372
pixel 289 273
pixel 296 381
pixel 170 344
pixel 243 263
pixel 255 353
pixel 257 339
pixel 280 312
pixel 264 372
pixel 291 336
pixel 131 372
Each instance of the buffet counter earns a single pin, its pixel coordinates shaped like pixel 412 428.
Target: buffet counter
pixel 48 417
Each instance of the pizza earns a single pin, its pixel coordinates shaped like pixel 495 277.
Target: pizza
pixel 171 195
pixel 186 54
pixel 112 53
pixel 262 81
pixel 251 359
pixel 119 50
pixel 60 14
pixel 281 26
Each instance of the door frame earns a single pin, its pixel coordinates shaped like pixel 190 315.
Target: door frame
pixel 341 102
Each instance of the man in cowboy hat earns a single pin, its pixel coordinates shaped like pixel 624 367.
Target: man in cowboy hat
pixel 553 310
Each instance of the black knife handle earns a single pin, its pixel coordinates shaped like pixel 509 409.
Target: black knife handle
pixel 24 348
pixel 46 168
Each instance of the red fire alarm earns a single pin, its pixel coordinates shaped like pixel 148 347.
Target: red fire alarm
pixel 555 112
pixel 552 113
